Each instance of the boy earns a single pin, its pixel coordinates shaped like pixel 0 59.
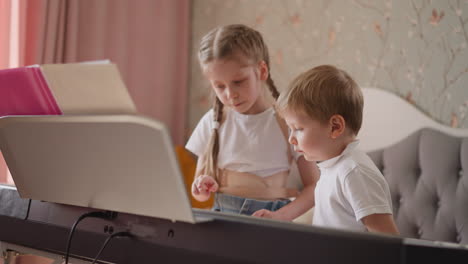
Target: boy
pixel 323 109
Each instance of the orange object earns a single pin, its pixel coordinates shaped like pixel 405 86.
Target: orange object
pixel 188 166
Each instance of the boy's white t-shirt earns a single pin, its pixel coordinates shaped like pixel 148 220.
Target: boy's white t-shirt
pixel 248 143
pixel 350 187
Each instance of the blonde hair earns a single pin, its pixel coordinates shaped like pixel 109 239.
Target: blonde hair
pixel 228 42
pixel 322 92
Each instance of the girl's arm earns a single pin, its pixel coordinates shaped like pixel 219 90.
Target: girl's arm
pixel 380 223
pixel 309 174
pixel 203 185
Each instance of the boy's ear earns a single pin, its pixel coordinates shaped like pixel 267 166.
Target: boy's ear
pixel 263 70
pixel 337 125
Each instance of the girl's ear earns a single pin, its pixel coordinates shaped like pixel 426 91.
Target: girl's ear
pixel 263 70
pixel 337 125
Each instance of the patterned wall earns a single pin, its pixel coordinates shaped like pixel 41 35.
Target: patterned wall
pixel 414 48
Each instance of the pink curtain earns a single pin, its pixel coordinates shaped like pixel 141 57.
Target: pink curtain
pixel 5 8
pixel 147 39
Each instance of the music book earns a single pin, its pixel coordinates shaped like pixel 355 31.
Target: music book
pixel 24 91
pixel 55 89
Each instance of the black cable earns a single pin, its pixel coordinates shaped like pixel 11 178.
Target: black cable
pixel 27 212
pixel 102 214
pixel 123 233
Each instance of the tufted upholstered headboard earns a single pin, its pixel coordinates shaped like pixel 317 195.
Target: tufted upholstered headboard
pixel 425 164
pixel 428 177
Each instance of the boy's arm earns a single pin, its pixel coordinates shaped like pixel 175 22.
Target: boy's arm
pixel 380 223
pixel 309 174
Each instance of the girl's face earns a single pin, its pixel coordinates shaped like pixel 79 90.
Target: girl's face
pixel 238 85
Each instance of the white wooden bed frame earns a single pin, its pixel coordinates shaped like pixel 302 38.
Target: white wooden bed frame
pixel 387 119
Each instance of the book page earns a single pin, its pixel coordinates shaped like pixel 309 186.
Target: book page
pixel 83 88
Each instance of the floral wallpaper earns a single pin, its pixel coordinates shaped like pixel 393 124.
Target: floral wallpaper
pixel 416 49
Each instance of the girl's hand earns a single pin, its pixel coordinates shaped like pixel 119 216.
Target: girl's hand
pixel 205 185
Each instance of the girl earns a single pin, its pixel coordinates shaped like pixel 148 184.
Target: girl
pixel 241 144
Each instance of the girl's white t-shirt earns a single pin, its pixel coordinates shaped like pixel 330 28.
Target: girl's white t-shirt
pixel 248 143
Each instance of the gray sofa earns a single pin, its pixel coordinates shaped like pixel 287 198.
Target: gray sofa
pixel 428 177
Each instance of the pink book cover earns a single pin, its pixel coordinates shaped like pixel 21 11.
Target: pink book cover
pixel 24 91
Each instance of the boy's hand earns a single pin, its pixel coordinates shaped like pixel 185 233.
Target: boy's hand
pixel 264 213
pixel 204 184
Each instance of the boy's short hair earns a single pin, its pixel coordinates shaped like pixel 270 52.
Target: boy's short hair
pixel 322 92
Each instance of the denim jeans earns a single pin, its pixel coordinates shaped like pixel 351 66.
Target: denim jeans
pixel 239 205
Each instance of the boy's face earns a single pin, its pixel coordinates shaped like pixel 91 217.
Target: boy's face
pixel 308 136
